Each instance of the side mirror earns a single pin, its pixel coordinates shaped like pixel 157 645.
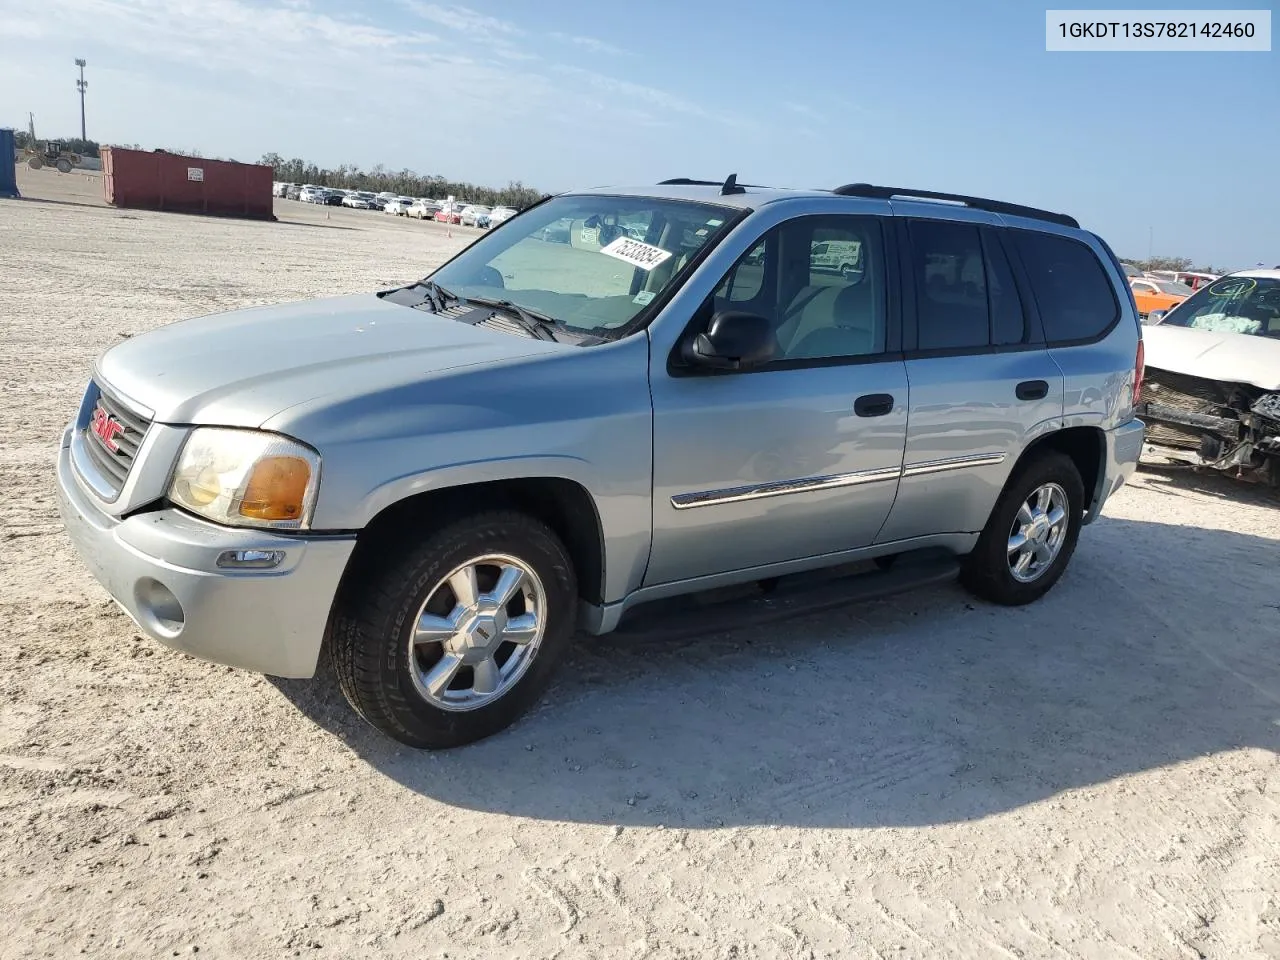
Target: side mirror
pixel 1155 316
pixel 733 341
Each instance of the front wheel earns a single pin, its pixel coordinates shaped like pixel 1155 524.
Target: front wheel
pixel 1030 535
pixel 457 637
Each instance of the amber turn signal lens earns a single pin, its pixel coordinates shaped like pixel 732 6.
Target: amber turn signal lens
pixel 277 489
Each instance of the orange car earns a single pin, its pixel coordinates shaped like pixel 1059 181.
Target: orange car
pixel 1154 294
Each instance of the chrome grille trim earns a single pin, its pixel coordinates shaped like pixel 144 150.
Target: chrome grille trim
pixel 114 466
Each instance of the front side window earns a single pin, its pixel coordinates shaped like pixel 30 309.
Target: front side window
pixel 820 282
pixel 590 262
pixel 1249 305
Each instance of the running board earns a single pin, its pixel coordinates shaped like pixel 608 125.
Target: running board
pixel 783 598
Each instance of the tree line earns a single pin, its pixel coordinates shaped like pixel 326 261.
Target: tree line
pixel 1177 264
pixel 403 182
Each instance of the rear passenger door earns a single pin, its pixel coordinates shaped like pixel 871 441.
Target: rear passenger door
pixel 982 383
pixel 1080 315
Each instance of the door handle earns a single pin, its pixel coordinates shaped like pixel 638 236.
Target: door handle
pixel 873 405
pixel 1032 390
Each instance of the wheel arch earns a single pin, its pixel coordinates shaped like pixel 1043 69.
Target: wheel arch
pixel 564 505
pixel 1085 446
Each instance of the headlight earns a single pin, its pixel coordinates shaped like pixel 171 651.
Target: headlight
pixel 247 478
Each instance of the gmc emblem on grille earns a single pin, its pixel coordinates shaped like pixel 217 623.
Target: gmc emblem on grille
pixel 106 428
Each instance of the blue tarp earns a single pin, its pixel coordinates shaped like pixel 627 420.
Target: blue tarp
pixel 8 171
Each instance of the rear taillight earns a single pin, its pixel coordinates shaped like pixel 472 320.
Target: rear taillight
pixel 1139 370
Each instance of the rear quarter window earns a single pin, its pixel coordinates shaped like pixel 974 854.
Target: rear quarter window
pixel 1070 286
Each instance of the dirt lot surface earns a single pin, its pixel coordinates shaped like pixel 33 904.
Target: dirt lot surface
pixel 1093 776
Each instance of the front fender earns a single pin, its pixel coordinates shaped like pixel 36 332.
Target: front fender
pixel 624 508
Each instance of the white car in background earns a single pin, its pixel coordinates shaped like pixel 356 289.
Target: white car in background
pixel 361 200
pixel 399 206
pixel 311 194
pixel 470 214
pixel 422 209
pixel 501 215
pixel 1210 395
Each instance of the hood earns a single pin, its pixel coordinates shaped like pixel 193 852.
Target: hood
pixel 1214 355
pixel 244 367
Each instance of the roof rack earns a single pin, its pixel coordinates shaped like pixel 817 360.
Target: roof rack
pixel 978 203
pixel 728 186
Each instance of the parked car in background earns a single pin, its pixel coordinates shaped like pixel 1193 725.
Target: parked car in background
pixel 501 215
pixel 422 209
pixel 399 206
pixel 293 192
pixel 333 198
pixel 437 486
pixel 468 218
pixel 310 194
pixel 1211 393
pixel 1152 294
pixel 361 200
pixel 1194 279
pixel 450 213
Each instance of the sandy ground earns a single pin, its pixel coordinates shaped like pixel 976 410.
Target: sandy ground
pixel 1094 776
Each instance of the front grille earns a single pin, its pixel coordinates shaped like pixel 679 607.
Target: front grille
pixel 1192 407
pixel 113 425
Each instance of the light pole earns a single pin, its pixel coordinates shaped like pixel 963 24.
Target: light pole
pixel 80 85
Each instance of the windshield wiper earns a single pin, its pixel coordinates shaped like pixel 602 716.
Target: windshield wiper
pixel 538 324
pixel 437 294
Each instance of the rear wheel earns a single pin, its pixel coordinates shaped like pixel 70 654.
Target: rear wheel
pixel 456 637
pixel 64 166
pixel 35 163
pixel 1030 535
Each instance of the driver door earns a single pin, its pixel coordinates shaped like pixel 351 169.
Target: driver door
pixel 801 456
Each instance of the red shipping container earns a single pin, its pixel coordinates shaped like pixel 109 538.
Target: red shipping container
pixel 156 180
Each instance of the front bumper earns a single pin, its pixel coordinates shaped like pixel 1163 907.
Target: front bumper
pixel 1123 449
pixel 161 568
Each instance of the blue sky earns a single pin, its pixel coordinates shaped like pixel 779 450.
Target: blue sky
pixel 1180 147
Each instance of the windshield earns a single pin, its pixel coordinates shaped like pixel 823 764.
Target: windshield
pixel 590 262
pixel 1249 305
pixel 1167 286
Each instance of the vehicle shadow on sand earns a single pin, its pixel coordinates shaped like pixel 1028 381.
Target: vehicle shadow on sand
pixel 1181 480
pixel 1158 646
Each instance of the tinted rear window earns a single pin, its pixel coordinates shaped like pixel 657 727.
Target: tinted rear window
pixel 1071 288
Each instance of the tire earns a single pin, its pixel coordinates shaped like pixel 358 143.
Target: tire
pixel 35 163
pixel 989 571
pixel 378 612
pixel 64 166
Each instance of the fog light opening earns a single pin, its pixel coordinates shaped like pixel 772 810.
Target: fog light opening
pixel 158 608
pixel 250 559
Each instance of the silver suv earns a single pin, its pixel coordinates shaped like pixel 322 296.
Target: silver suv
pixel 614 397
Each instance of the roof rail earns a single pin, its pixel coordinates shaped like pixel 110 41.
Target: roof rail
pixel 978 203
pixel 728 186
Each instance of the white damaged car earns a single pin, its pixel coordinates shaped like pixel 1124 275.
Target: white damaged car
pixel 1211 392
